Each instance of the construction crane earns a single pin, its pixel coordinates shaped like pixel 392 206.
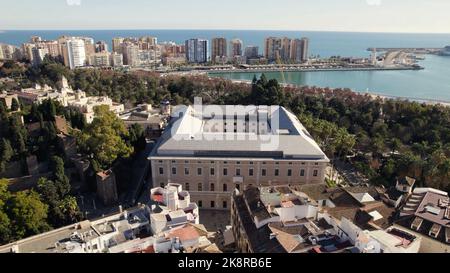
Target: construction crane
pixel 280 63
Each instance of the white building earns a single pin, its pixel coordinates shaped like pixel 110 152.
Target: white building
pixel 75 55
pixel 174 208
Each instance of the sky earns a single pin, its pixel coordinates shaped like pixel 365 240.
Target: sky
pixel 419 16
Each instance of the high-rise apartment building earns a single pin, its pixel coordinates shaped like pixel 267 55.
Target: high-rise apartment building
pixel 101 46
pixel 197 50
pixel 130 53
pixel 236 48
pixel 74 53
pixel 218 50
pixel 116 59
pixel 39 52
pixel 272 49
pixel 117 44
pixel 251 52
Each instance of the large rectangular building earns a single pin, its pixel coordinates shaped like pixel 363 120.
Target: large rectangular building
pixel 197 51
pixel 212 153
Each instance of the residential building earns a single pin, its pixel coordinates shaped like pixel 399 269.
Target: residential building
pixel 219 50
pixel 251 52
pixel 426 214
pixel 211 155
pixel 101 46
pixel 280 220
pixel 273 47
pixel 117 45
pixel 97 236
pixel 130 53
pixel 116 59
pixel 297 54
pixel 9 52
pixel 100 59
pixel 152 120
pixel 197 51
pixel 148 43
pixel 74 53
pixel 236 48
pixel 173 208
pixel 39 53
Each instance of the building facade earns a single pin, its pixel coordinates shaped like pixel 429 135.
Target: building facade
pixel 212 170
pixel 197 51
pixel 218 50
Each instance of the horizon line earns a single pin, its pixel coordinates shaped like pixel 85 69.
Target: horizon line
pixel 223 29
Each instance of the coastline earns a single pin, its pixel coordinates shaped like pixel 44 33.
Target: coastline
pixel 373 95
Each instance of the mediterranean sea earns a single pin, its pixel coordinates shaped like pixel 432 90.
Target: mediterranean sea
pixel 432 83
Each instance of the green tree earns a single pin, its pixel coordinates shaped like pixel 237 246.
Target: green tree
pixel 104 139
pixel 61 180
pixel 28 214
pixel 15 106
pixel 6 153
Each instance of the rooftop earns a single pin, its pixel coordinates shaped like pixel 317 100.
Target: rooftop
pixel 202 133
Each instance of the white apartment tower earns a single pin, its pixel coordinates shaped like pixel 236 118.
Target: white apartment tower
pixel 75 53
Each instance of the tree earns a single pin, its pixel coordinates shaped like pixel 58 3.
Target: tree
pixel 137 137
pixel 15 106
pixel 62 182
pixel 48 191
pixel 6 153
pixel 104 138
pixel 28 214
pixel 69 208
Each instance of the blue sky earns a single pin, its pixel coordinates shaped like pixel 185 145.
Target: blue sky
pixel 331 15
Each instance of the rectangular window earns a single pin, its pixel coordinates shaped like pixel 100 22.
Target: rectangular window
pixel 161 170
pixel 277 172
pixel 225 172
pixel 238 172
pixel 316 173
pixel 199 171
pixel 212 171
pixel 212 187
pixel 302 173
pixel 289 172
pixel 225 187
pixel 250 172
pixel 224 204
pixel 213 204
pixel 200 204
pixel 200 187
pixel 186 171
pixel 174 171
pixel 187 187
pixel 264 172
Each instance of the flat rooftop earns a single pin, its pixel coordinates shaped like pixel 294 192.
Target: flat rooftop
pixel 270 132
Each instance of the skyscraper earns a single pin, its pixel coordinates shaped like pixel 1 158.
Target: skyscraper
pixel 305 49
pixel 101 46
pixel 236 47
pixel 251 52
pixel 285 49
pixel 117 44
pixel 197 51
pixel 74 53
pixel 218 49
pixel 273 48
pixel 297 50
pixel 130 53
